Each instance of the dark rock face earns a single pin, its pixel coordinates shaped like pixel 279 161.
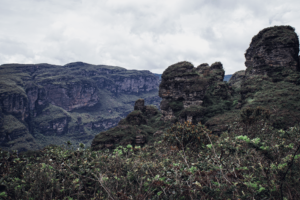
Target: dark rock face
pixel 185 89
pixel 77 99
pixel 273 52
pixel 272 74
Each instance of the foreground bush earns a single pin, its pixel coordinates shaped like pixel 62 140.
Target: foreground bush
pixel 187 135
pixel 234 166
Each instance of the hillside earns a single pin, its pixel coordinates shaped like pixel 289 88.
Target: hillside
pixel 45 104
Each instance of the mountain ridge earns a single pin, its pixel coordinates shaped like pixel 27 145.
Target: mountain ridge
pixel 74 101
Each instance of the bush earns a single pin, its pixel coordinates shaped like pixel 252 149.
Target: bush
pixel 237 165
pixel 183 135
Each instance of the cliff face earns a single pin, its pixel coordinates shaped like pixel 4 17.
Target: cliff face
pixel 71 102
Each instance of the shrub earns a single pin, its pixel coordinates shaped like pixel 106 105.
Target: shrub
pixel 183 135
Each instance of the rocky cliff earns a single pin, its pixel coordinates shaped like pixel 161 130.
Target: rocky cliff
pixel 199 94
pixel 41 103
pixel 188 93
pixel 272 75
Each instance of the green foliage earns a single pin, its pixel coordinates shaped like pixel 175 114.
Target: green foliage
pixel 233 166
pixel 186 135
pixel 176 105
pixel 252 115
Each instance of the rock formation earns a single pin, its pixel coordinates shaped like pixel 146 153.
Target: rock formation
pixel 273 52
pixel 74 101
pixel 187 91
pixel 272 74
pixel 136 129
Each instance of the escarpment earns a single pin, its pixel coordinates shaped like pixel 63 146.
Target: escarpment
pixel 71 102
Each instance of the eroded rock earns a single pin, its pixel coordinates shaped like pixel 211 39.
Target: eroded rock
pixel 185 89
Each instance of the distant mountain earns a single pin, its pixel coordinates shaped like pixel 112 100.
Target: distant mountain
pixel 158 75
pixel 44 104
pixel 227 77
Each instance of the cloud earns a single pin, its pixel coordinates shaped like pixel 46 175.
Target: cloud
pixel 145 35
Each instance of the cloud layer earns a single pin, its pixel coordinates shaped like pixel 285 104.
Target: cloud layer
pixel 137 34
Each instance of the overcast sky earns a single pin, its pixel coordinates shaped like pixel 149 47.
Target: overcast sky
pixel 137 34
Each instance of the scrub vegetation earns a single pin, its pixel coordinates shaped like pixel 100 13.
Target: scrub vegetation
pixel 251 161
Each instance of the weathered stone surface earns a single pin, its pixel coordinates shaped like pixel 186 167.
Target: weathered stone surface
pixel 183 87
pixel 272 74
pixel 14 104
pixel 273 52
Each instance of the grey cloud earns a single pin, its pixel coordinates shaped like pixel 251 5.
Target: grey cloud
pixel 137 34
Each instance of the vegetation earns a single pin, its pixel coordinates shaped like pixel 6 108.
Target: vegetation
pixel 137 123
pixel 252 161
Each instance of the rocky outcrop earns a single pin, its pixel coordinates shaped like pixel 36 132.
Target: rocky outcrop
pixel 77 99
pixel 273 52
pixel 185 90
pixel 272 74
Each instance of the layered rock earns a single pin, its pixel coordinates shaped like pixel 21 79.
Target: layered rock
pixel 186 90
pixel 272 74
pixel 77 99
pixel 273 52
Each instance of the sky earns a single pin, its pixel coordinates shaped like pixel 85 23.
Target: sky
pixel 137 34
